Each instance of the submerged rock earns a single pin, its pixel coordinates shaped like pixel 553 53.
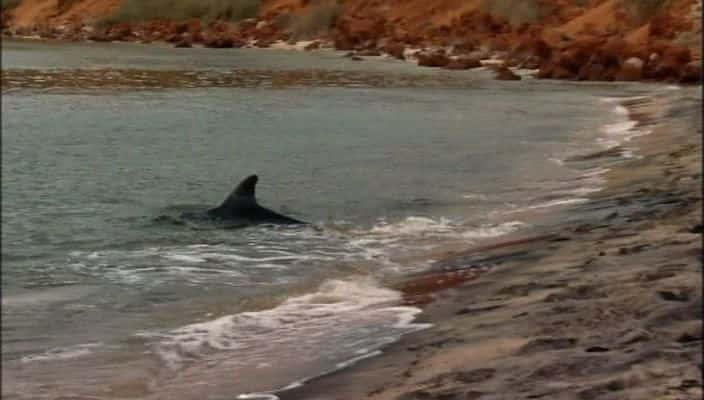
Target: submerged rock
pixel 504 73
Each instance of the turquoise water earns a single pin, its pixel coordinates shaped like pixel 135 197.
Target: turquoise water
pixel 387 161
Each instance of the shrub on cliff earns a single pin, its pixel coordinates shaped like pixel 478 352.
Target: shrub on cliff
pixel 643 10
pixel 517 12
pixel 9 4
pixel 317 18
pixel 143 10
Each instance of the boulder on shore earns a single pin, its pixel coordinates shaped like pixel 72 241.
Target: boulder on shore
pixel 434 59
pixel 504 73
pixel 462 63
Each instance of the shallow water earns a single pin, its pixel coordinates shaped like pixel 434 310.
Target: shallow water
pixel 387 161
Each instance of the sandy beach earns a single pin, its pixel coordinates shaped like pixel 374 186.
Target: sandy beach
pixel 603 302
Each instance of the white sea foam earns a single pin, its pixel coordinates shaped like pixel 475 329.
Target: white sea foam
pixel 184 257
pixel 345 321
pixel 547 204
pixel 414 226
pixel 621 110
pixel 617 133
pixel 328 309
pixel 47 296
pixel 62 353
pixel 559 202
pixel 619 128
pixel 580 191
pixel 622 99
pixel 222 263
pixel 473 196
pixel 490 231
pixel 557 161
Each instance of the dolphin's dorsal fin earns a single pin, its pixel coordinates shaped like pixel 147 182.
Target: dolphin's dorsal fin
pixel 246 187
pixel 245 190
pixel 241 205
pixel 243 195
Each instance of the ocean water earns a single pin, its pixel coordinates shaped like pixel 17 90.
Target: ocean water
pixel 391 164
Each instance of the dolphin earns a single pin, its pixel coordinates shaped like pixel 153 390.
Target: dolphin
pixel 241 208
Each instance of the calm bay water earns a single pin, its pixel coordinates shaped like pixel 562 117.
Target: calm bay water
pixel 387 161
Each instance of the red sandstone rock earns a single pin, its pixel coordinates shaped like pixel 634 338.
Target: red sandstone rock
pixel 546 70
pixel 692 72
pixel 434 59
pixel 193 26
pixel 353 56
pixel 341 42
pixel 670 64
pixel 562 73
pixel 573 58
pixel 463 63
pixel 312 46
pixel 369 53
pixel 532 62
pixel 355 30
pixel 180 28
pixel 539 48
pixel 464 46
pixel 663 26
pixel 551 70
pixel 120 32
pixel 173 38
pixel 220 26
pixel 591 54
pixel 261 43
pixel 196 37
pixel 503 73
pixel 219 42
pixel 631 70
pixel 99 35
pixel 676 55
pixel 591 72
pixel 395 50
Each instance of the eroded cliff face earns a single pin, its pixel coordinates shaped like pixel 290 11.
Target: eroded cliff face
pixel 597 40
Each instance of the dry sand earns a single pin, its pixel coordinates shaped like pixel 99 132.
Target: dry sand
pixel 603 304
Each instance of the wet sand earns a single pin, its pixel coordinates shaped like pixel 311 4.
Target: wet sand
pixel 604 302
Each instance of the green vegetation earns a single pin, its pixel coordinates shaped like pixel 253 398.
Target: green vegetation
pixel 317 18
pixel 642 10
pixel 208 10
pixel 517 12
pixel 9 4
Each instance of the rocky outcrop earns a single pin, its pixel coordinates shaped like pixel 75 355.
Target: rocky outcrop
pixel 691 73
pixel 463 63
pixel 395 50
pixel 631 70
pixel 504 73
pixel 594 41
pixel 433 59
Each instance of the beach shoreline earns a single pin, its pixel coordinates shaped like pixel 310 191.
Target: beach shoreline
pixel 532 304
pixel 606 304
